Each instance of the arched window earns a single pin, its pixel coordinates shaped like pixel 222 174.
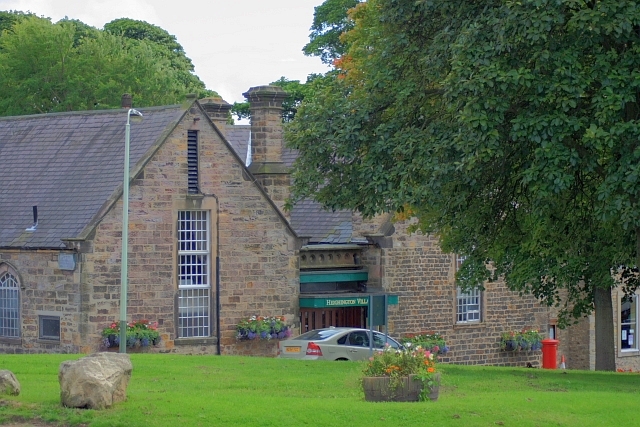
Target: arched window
pixel 9 305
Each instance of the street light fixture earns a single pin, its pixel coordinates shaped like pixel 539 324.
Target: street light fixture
pixel 125 233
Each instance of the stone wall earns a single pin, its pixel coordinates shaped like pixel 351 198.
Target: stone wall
pixel 257 252
pixel 416 269
pixel 45 290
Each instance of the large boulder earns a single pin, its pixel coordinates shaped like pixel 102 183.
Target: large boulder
pixel 9 383
pixel 96 381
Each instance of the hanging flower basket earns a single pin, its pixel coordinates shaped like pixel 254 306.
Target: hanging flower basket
pixel 526 340
pixel 141 333
pixel 263 328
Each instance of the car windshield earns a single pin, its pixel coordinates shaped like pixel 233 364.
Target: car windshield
pixel 321 334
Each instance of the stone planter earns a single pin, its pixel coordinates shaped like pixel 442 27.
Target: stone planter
pixel 380 389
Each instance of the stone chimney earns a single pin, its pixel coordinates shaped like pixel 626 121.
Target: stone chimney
pixel 126 102
pixel 218 111
pixel 267 144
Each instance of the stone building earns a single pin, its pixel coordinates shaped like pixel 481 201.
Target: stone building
pixel 210 243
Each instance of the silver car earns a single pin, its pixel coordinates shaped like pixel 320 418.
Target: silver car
pixel 334 344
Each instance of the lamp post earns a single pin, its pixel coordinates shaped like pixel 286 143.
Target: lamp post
pixel 125 234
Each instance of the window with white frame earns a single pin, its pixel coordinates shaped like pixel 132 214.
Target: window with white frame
pixel 9 306
pixel 194 278
pixel 468 304
pixel 629 323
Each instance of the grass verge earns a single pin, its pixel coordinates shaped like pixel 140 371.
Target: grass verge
pixel 170 390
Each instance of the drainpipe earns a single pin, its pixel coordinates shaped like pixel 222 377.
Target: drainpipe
pixel 217 302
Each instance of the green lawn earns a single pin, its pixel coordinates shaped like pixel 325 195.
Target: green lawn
pixel 185 391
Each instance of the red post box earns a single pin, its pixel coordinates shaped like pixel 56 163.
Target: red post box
pixel 550 353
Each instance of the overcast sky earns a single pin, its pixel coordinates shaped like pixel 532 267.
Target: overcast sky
pixel 234 44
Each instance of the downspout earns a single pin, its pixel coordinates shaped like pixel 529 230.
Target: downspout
pixel 217 276
pixel 217 302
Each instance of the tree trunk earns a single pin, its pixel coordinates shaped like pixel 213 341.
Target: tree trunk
pixel 605 351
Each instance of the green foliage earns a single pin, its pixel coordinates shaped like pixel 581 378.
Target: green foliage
pixel 139 333
pixel 266 328
pixel 508 128
pixel 396 364
pixel 526 340
pixel 67 66
pixel 164 45
pixel 296 93
pixel 431 341
pixel 330 21
pixel 9 18
pixel 141 30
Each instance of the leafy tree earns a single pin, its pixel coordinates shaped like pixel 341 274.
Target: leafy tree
pixel 82 30
pixel 508 128
pixel 329 22
pixel 165 45
pixel 8 18
pixel 46 67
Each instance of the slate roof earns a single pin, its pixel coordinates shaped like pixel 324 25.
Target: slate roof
pixel 68 164
pixel 308 218
pixel 239 137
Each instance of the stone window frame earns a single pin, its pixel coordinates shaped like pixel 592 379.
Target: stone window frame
pixel 8 269
pixel 199 293
pixel 51 316
pixel 459 295
pixel 634 351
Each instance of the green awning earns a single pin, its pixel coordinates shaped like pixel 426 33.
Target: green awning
pixel 334 276
pixel 342 301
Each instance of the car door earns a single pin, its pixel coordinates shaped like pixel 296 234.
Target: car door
pixel 357 345
pixel 380 340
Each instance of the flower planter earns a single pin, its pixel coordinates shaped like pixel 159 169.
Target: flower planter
pixel 112 343
pixel 527 340
pixel 407 389
pixel 511 345
pixel 140 333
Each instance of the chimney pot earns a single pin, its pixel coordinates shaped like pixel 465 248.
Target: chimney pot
pixel 218 111
pixel 126 101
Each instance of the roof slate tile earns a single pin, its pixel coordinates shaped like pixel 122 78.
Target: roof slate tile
pixel 67 164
